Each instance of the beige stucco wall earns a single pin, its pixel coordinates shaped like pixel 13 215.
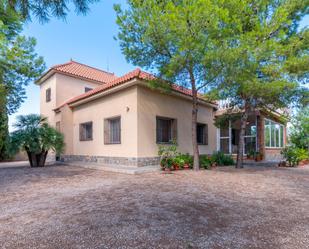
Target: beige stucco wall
pixel 66 120
pixel 62 89
pixel 68 87
pixel 138 107
pixel 152 103
pixel 122 103
pixel 46 108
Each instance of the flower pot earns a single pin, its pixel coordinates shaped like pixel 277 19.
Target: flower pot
pixel 186 166
pixel 258 158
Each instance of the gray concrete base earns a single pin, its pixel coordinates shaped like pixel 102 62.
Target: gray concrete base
pixel 261 163
pixel 132 170
pixel 112 161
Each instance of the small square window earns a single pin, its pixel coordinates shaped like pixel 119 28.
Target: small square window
pixel 112 130
pixel 48 95
pixel 87 89
pixel 166 130
pixel 85 131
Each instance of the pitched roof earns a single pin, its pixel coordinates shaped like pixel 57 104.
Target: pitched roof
pixel 80 70
pixel 135 74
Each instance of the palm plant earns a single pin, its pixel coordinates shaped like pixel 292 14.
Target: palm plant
pixel 35 136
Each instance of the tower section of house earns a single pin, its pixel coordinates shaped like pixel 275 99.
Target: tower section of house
pixel 63 82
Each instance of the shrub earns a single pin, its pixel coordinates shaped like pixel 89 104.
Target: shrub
pixel 179 161
pixel 168 150
pixel 36 137
pixel 294 155
pixel 205 161
pixel 221 159
pixel 168 153
pixel 167 163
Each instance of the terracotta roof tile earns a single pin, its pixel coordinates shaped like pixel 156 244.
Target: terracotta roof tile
pixel 80 70
pixel 137 73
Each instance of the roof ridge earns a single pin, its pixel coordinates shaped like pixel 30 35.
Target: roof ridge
pixel 72 61
pixel 61 65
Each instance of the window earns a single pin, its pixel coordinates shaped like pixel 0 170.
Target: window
pixel 85 131
pixel 166 130
pixel 58 126
pixel 112 130
pixel 202 134
pixel 87 89
pixel 225 139
pixel 48 95
pixel 273 134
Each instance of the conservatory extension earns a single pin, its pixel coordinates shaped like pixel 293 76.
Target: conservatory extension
pixel 265 135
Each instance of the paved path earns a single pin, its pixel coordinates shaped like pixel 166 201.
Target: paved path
pixel 14 164
pixel 72 207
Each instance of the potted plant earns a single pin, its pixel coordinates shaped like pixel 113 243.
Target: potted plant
pixel 250 154
pixel 36 137
pixel 258 156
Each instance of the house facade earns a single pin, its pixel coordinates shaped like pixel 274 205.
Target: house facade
pixel 114 120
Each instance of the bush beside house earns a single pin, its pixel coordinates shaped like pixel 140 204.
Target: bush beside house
pixel 171 159
pixel 36 138
pixel 298 150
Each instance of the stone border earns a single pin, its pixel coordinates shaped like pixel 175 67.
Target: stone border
pixel 104 160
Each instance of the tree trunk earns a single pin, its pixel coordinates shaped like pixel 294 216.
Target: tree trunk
pixel 196 159
pixel 37 160
pixel 243 124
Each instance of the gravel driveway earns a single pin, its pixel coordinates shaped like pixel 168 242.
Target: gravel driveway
pixel 72 207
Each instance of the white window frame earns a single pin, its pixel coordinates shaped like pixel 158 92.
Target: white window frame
pixel 270 135
pixel 229 137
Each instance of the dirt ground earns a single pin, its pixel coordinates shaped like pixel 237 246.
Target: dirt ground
pixel 72 207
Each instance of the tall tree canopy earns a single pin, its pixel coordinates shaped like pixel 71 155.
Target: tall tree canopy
pixel 266 59
pixel 44 10
pixel 19 65
pixel 251 52
pixel 179 39
pixel 299 135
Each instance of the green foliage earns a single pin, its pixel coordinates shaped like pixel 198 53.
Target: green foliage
pixel 299 135
pixel 221 159
pixel 179 162
pixel 222 121
pixel 19 65
pixel 179 40
pixel 294 155
pixel 34 135
pixel 4 136
pixel 267 54
pixel 167 163
pixel 206 161
pixel 43 9
pixel 165 151
pixel 187 159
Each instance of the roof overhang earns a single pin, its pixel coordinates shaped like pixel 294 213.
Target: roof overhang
pixel 132 82
pixel 104 93
pixel 45 76
pixel 266 112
